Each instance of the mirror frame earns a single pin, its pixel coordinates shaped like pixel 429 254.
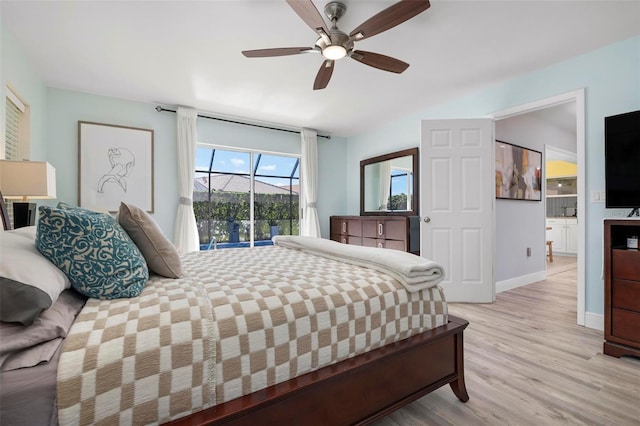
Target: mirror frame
pixel 416 181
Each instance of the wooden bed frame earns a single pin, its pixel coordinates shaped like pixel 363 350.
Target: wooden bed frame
pixel 356 391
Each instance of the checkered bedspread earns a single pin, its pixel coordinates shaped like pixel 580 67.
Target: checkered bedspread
pixel 238 321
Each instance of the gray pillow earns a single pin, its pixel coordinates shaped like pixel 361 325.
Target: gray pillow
pixel 28 346
pixel 29 282
pixel 160 253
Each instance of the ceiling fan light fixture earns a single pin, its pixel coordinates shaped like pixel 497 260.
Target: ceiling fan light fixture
pixel 334 52
pixel 335 44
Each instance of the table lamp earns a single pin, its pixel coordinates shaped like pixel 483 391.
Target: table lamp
pixel 24 180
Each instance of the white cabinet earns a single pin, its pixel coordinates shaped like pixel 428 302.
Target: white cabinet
pixel 572 236
pixel 564 234
pixel 557 234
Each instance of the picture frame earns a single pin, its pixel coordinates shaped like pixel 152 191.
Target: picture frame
pixel 115 163
pixel 518 173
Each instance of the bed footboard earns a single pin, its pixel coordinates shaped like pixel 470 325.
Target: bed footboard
pixel 356 391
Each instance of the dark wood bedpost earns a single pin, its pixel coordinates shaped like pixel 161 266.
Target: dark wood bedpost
pixel 457 386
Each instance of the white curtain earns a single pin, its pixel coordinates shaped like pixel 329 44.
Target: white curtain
pixel 385 184
pixel 185 228
pixel 309 225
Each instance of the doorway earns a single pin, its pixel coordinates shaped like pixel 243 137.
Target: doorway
pixel 561 198
pixel 573 100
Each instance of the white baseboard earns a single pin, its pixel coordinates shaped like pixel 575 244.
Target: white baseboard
pixel 595 321
pixel 516 282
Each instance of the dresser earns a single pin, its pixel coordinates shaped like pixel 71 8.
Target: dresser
pixel 393 232
pixel 621 289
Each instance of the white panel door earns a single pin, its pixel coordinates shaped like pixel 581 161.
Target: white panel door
pixel 457 195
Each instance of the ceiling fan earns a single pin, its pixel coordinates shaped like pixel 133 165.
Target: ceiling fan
pixel 335 44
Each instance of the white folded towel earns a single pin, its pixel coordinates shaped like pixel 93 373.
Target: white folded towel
pixel 414 272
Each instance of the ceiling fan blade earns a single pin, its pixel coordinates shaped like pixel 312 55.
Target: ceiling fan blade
pixel 390 17
pixel 278 51
pixel 382 62
pixel 309 14
pixel 324 75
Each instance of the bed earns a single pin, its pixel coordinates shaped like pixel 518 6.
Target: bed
pixel 335 342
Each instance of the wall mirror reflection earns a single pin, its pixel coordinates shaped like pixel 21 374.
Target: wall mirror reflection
pixel 389 184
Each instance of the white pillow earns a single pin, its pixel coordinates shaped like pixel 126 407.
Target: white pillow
pixel 29 282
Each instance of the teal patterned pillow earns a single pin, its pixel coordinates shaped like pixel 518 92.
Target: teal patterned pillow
pixel 66 206
pixel 93 250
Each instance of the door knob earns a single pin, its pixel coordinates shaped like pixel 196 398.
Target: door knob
pixel 427 219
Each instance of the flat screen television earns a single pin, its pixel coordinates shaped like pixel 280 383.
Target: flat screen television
pixel 622 161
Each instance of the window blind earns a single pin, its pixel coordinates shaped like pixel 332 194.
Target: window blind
pixel 12 130
pixel 14 113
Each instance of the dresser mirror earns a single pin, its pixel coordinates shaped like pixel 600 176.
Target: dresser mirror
pixel 389 184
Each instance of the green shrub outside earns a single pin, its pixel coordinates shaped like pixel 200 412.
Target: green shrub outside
pixel 212 217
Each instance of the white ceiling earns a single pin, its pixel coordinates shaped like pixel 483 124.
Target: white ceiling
pixel 188 53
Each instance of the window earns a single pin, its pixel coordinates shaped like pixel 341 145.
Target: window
pixel 16 137
pixel 16 127
pixel 401 184
pixel 244 198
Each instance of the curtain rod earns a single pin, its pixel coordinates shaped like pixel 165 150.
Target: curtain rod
pixel 160 109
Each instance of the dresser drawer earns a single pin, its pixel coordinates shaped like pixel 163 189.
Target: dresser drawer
pixel 347 239
pixel 387 229
pixel 626 294
pixel 381 243
pixel 372 242
pixel 339 238
pixel 337 227
pixel 370 229
pixel 354 241
pixel 395 230
pixel 625 264
pixel 354 227
pixel 626 324
pixel 341 226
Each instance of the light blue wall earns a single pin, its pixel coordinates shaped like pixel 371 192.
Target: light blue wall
pixel 17 71
pixel 66 108
pixel 611 77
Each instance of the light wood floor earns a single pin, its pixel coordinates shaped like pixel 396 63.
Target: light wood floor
pixel 528 363
pixel 561 264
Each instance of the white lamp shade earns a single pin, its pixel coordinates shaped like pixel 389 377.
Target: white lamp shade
pixel 27 179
